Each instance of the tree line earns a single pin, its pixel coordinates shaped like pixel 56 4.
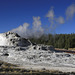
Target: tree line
pixel 57 40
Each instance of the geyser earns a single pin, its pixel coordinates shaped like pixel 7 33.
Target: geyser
pixel 13 39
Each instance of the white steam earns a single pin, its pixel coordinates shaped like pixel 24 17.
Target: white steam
pixel 22 30
pixel 36 30
pixel 60 20
pixel 70 11
pixel 54 21
pixel 50 14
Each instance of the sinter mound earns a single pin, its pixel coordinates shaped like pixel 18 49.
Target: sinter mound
pixel 13 39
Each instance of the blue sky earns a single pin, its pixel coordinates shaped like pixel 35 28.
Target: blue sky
pixel 14 13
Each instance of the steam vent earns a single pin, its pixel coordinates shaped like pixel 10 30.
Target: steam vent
pixel 13 39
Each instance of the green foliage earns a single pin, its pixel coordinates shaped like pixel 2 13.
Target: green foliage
pixel 58 40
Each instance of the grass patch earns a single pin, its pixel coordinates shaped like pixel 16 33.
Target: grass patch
pixel 73 49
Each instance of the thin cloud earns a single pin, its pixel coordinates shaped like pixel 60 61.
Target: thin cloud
pixel 70 11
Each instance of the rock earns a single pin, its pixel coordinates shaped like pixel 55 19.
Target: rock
pixel 13 39
pixel 43 68
pixel 6 54
pixel 67 55
pixel 20 48
pixel 1 63
pixel 34 47
pixel 43 47
pixel 33 43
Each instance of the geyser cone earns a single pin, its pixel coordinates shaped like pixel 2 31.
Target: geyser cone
pixel 13 39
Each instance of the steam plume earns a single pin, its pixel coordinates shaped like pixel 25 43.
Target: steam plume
pixel 36 30
pixel 70 11
pixel 60 20
pixel 54 22
pixel 22 30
